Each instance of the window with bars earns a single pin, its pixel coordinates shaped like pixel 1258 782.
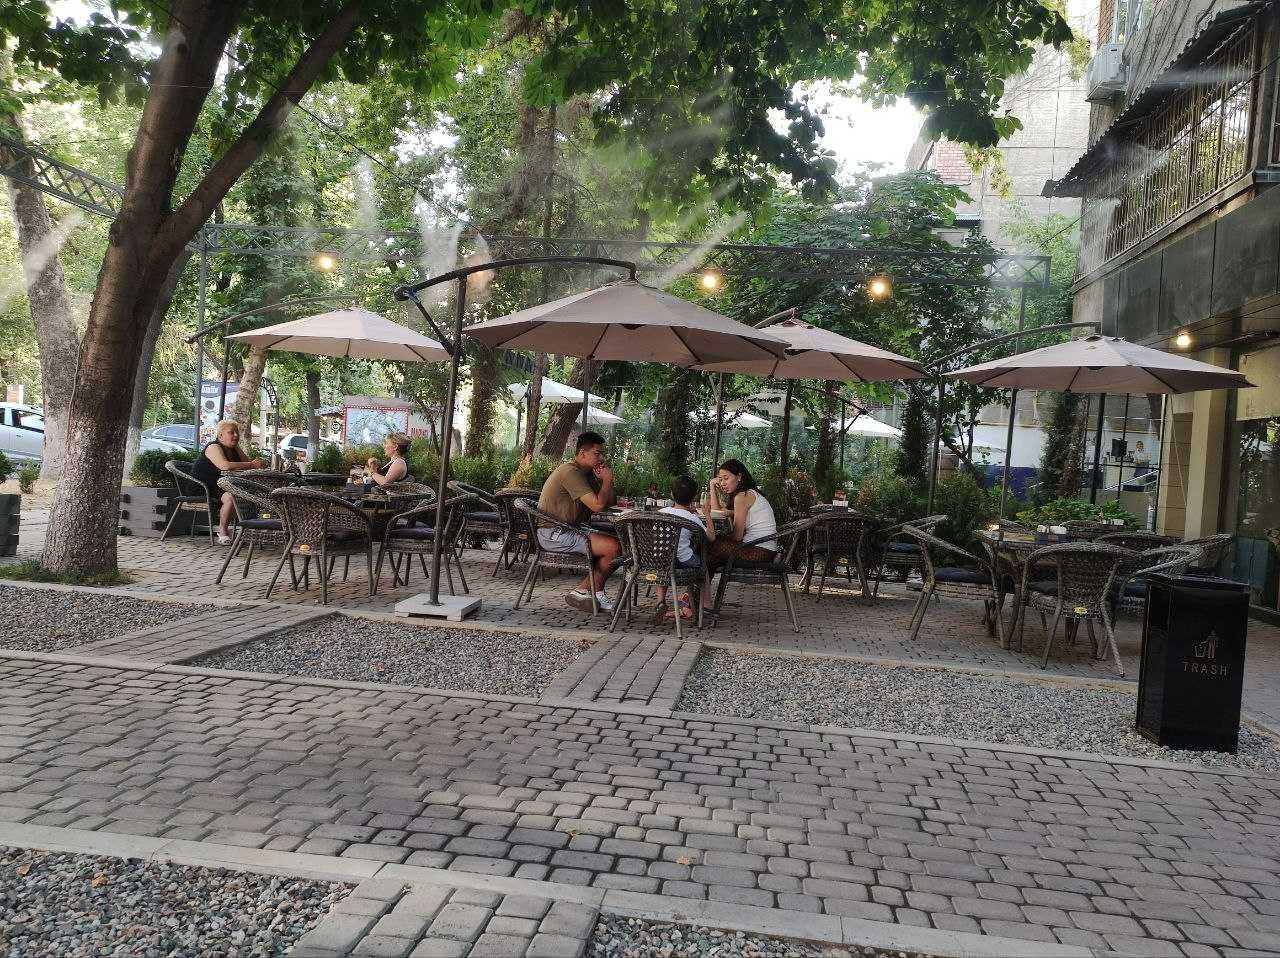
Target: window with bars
pixel 1194 143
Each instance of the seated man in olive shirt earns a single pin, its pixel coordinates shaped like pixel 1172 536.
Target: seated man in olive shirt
pixel 572 493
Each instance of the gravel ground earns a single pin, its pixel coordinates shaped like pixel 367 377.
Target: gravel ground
pixel 619 937
pixel 50 620
pixel 925 701
pixel 66 905
pixel 469 660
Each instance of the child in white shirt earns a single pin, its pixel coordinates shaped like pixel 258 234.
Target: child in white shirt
pixel 684 493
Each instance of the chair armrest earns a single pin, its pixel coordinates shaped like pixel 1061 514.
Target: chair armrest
pixel 929 541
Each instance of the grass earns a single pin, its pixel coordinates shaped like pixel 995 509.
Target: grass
pixel 30 570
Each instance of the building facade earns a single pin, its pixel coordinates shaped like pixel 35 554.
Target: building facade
pixel 1180 247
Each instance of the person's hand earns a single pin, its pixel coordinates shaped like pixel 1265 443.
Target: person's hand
pixel 257 464
pixel 604 472
pixel 371 464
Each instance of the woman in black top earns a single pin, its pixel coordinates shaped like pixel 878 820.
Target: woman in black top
pixel 220 456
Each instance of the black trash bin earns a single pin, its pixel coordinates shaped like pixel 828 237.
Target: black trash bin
pixel 1193 644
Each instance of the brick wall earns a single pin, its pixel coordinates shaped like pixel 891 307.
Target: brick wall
pixel 950 164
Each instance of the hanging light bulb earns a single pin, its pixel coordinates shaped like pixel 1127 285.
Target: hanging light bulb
pixel 880 286
pixel 325 262
pixel 711 280
pixel 1182 340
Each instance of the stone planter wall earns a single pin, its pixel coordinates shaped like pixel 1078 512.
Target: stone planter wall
pixel 10 517
pixel 145 510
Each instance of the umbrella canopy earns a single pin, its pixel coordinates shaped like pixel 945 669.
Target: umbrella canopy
pixel 870 426
pixel 629 321
pixel 595 417
pixel 741 419
pixel 557 393
pixel 1100 364
pixel 355 333
pixel 814 353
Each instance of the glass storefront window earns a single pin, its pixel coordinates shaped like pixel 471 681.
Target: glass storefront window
pixel 1258 515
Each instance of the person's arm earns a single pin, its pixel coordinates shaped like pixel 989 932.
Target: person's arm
pixel 396 470
pixel 220 460
pixel 741 506
pixel 596 501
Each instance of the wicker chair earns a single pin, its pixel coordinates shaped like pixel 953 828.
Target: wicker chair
pixel 544 559
pixel 268 477
pixel 899 551
pixel 650 542
pixel 193 499
pixel 408 495
pixel 517 533
pixel 484 518
pixel 776 571
pixel 961 582
pixel 1130 591
pixel 257 524
pixel 842 537
pixel 1137 541
pixel 1087 530
pixel 1086 572
pixel 321 526
pixel 404 538
pixel 1213 550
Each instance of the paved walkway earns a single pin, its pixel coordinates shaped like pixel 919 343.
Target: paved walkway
pixel 1105 853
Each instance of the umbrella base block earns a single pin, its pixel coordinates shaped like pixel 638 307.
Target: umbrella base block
pixel 451 608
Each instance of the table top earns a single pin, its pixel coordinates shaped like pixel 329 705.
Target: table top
pixel 1010 541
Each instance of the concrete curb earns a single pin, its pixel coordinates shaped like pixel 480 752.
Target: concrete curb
pixel 828 929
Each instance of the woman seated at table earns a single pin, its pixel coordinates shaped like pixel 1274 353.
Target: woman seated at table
pixel 396 446
pixel 733 488
pixel 220 456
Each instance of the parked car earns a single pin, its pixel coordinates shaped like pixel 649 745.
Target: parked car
pixel 174 433
pixel 21 432
pixel 293 446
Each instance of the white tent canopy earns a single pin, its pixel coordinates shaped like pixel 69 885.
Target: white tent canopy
pixel 595 417
pixel 870 426
pixel 556 393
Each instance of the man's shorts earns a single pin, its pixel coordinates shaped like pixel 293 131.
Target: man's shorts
pixel 562 540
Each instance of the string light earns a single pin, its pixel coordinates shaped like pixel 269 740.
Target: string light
pixel 711 280
pixel 1182 340
pixel 880 286
pixel 325 262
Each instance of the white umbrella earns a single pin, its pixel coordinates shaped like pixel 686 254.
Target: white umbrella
pixel 741 419
pixel 595 417
pixel 870 426
pixel 355 333
pixel 556 393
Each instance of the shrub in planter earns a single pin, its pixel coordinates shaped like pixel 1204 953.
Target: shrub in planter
pixel 530 475
pixel 359 455
pixel 1062 509
pixel 888 495
pixel 328 459
pixel 967 506
pixel 6 468
pixel 480 471
pixel 27 477
pixel 148 469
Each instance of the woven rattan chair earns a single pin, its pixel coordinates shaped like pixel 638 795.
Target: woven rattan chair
pixel 544 559
pixel 257 524
pixel 409 495
pixel 1088 530
pixel 484 519
pixel 1085 573
pixel 650 542
pixel 321 526
pixel 1137 541
pixel 842 537
pixel 975 580
pixel 270 478
pixel 899 552
pixel 517 533
pixel 1130 591
pixel 776 571
pixel 1213 551
pixel 404 538
pixel 193 499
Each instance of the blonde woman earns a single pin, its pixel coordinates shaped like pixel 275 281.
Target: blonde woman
pixel 221 456
pixel 396 446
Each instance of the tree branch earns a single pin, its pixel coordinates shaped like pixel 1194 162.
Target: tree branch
pixel 215 184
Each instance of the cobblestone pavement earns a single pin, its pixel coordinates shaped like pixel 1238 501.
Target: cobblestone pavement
pixel 1105 853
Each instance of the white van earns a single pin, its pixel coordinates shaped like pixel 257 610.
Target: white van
pixel 21 432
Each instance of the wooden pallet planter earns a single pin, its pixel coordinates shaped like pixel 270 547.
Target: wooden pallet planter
pixel 10 518
pixel 145 511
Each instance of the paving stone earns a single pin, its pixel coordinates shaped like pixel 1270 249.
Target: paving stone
pixel 569 919
pixel 459 921
pixel 523 906
pixel 441 948
pixel 383 946
pixel 554 946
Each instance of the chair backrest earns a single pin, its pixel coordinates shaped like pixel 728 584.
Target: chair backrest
pixel 252 499
pixel 929 544
pixel 1086 570
pixel 1173 559
pixel 504 501
pixel 1213 549
pixel 309 514
pixel 841 533
pixel 1011 525
pixel 267 477
pixel 482 498
pixel 187 484
pixel 455 515
pixel 1138 541
pixel 408 494
pixel 1087 529
pixel 652 541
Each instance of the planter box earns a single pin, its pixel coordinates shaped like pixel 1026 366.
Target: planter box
pixel 10 517
pixel 145 511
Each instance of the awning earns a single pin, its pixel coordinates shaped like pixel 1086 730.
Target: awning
pixel 1172 78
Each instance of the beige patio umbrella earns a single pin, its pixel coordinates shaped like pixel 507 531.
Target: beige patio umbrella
pixel 815 353
pixel 1100 364
pixel 354 333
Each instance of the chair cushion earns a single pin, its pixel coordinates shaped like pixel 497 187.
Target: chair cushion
pixel 482 517
pixel 766 565
pixel 266 525
pixel 905 548
pixel 418 533
pixel 345 535
pixel 959 576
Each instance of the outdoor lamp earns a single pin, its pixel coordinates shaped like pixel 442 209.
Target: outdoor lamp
pixel 325 262
pixel 1182 340
pixel 710 280
pixel 880 286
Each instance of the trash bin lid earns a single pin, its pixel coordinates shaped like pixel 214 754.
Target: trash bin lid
pixel 1201 583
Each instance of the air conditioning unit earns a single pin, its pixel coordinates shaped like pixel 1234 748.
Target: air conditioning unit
pixel 1106 73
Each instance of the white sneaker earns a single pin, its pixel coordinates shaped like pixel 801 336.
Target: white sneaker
pixel 224 540
pixel 602 600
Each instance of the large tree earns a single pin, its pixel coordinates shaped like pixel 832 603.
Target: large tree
pixel 707 72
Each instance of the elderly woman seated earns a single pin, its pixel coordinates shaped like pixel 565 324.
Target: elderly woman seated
pixel 396 446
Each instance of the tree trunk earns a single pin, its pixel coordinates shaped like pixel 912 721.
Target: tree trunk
pixel 1073 468
pixel 250 384
pixel 143 243
pixel 673 415
pixel 825 465
pixel 142 378
pixel 564 416
pixel 56 336
pixel 533 407
pixel 484 393
pixel 313 421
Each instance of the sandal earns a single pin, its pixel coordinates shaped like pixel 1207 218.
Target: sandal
pixel 686 611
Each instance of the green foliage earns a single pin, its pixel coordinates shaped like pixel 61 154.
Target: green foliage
pixel 6 468
pixel 915 446
pixel 424 462
pixel 889 495
pixel 967 506
pixel 531 474
pixel 482 471
pixel 792 497
pixel 328 459
pixel 148 469
pixel 1060 510
pixel 31 570
pixel 1059 435
pixel 359 455
pixel 27 477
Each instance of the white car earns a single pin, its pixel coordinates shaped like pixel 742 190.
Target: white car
pixel 294 443
pixel 21 432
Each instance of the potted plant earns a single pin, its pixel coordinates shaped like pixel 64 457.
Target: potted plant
pixel 10 511
pixel 147 501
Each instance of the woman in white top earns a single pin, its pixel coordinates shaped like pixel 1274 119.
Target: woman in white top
pixel 734 489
